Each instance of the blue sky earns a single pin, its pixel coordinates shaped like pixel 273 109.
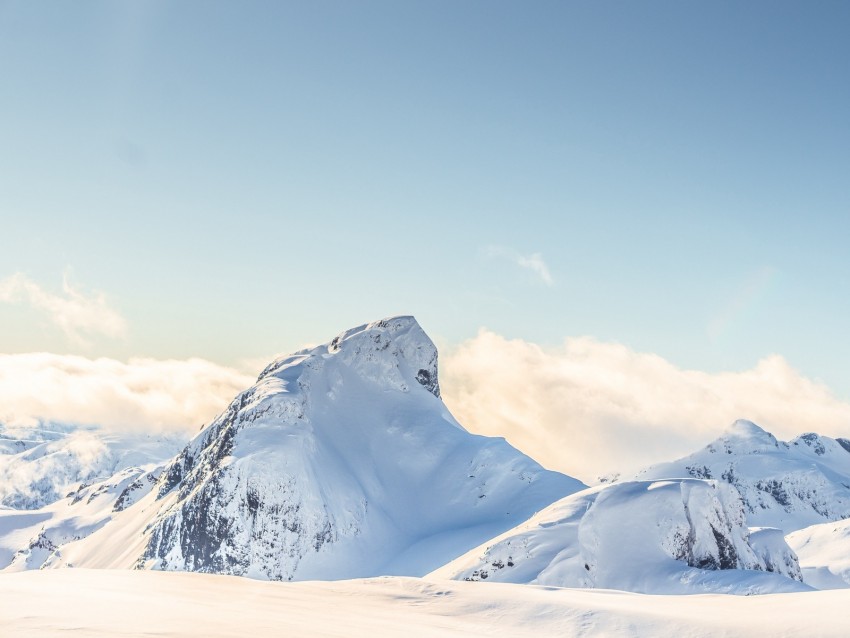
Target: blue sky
pixel 240 178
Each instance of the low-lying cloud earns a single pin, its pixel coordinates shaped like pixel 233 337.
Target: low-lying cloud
pixel 588 408
pixel 142 394
pixel 78 315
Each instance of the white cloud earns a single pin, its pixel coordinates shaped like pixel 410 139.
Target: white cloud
pixel 144 394
pixel 746 297
pixel 73 312
pixel 533 262
pixel 588 408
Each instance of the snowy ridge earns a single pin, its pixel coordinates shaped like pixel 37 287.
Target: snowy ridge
pixel 785 485
pixel 676 536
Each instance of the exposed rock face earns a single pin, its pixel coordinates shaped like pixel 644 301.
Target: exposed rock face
pixel 337 463
pixel 786 485
pixel 677 536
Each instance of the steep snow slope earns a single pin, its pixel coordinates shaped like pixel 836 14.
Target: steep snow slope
pixel 824 553
pixel 87 603
pixel 680 536
pixel 341 461
pixel 41 463
pixel 785 485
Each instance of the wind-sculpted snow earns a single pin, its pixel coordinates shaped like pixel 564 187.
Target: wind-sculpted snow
pixel 681 536
pixel 824 552
pixel 341 461
pixel 786 485
pixel 134 604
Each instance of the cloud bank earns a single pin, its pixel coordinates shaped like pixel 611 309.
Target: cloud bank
pixel 588 408
pixel 76 314
pixel 142 394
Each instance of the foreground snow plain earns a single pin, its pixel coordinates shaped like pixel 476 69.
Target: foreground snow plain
pixel 78 602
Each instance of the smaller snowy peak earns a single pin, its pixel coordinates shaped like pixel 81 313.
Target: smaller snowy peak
pixel 747 429
pixel 744 437
pixel 785 485
pixel 822 446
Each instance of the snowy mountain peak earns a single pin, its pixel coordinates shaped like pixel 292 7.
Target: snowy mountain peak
pixel 393 351
pixel 746 428
pixel 341 461
pixel 822 445
pixel 744 437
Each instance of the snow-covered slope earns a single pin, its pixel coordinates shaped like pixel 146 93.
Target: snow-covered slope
pixel 59 483
pixel 33 539
pixel 679 536
pixel 84 603
pixel 342 461
pixel 785 485
pixel 42 462
pixel 824 553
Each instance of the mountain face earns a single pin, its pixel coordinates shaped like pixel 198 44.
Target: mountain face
pixel 789 485
pixel 664 537
pixel 341 461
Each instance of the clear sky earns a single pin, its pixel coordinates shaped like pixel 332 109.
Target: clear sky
pixel 239 178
